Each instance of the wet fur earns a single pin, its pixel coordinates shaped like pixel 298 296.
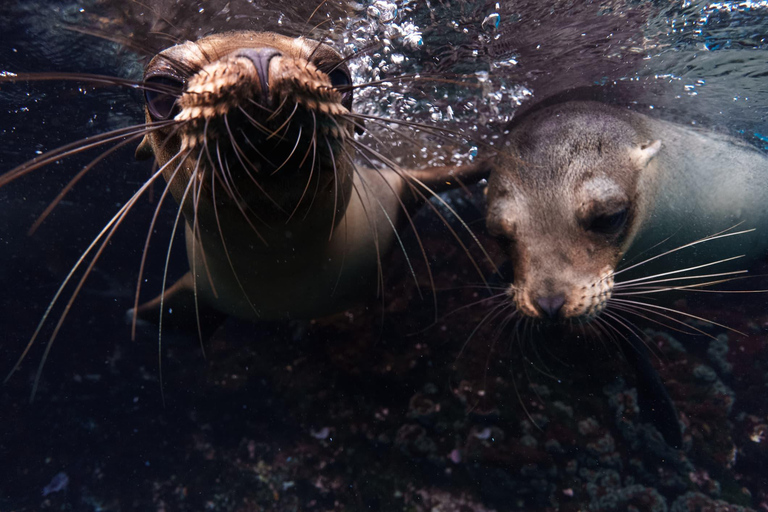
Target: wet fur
pixel 304 240
pixel 582 158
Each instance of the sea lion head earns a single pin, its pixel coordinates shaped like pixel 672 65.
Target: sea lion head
pixel 565 199
pixel 262 109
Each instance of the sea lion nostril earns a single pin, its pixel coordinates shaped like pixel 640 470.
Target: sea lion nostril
pixel 551 305
pixel 260 58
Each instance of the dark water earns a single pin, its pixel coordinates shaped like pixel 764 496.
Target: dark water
pixel 367 411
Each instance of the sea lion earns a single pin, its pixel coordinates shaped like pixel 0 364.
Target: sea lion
pixel 597 183
pixel 255 136
pixel 280 222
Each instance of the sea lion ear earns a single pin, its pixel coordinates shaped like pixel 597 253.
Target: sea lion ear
pixel 646 152
pixel 144 151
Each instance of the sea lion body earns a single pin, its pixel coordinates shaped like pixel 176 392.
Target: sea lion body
pixel 596 183
pixel 280 221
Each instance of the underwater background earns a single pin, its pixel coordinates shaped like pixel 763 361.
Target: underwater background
pixel 401 405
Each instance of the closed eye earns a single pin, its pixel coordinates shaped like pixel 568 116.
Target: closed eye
pixel 609 224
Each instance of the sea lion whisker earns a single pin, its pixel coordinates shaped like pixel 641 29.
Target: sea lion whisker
pixel 197 236
pixel 535 347
pixel 494 340
pixel 313 147
pixel 285 123
pixel 298 140
pixel 633 330
pixel 679 271
pixel 76 147
pixel 124 42
pixel 496 296
pixel 415 77
pixel 262 107
pixel 190 183
pixel 409 218
pixel 633 284
pixel 160 15
pixel 242 158
pixel 150 230
pixel 343 219
pixel 237 197
pixel 432 130
pixel 358 53
pixel 317 181
pixel 226 178
pixel 52 205
pixel 635 312
pixel 716 236
pixel 320 42
pixel 90 78
pixel 411 180
pixel 253 121
pixel 255 149
pixel 598 329
pixel 689 287
pixel 106 234
pixel 226 250
pixel 277 110
pixel 617 336
pixel 637 256
pixel 374 228
pixel 335 187
pixel 127 42
pixel 656 308
pixel 514 380
pixel 472 287
pixel 370 194
pixel 497 310
pixel 460 308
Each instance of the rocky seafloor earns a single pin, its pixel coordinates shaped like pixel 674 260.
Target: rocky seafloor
pixel 382 408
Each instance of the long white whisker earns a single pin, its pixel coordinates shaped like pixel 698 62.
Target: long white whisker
pixel 721 234
pixel 678 271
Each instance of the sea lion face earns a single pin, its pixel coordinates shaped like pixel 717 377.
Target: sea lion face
pixel 262 110
pixel 567 210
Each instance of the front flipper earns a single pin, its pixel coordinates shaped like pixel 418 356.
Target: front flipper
pixel 440 179
pixel 656 407
pixel 179 311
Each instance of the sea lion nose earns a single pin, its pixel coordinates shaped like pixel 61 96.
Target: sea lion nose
pixel 260 58
pixel 551 305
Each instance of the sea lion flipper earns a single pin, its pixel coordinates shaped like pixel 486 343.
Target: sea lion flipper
pixel 144 150
pixel 180 310
pixel 440 179
pixel 656 406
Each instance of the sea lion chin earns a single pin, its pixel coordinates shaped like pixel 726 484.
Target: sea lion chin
pixel 595 185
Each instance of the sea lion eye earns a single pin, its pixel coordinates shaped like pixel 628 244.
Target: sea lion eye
pixel 339 78
pixel 610 224
pixel 162 95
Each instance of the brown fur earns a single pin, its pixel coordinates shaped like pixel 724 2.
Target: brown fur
pixel 296 229
pixel 583 160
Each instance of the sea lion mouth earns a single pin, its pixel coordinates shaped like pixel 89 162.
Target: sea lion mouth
pixel 265 87
pixel 580 304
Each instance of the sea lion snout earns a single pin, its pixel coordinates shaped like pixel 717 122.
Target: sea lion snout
pixel 566 299
pixel 551 305
pixel 261 58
